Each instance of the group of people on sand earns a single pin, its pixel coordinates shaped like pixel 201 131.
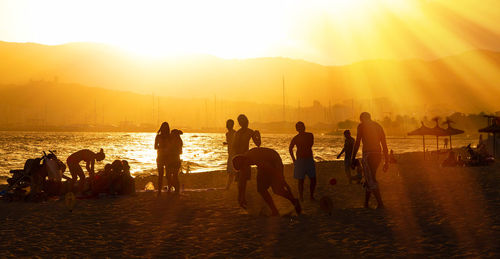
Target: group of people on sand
pixel 45 176
pixel 270 169
pixel 115 178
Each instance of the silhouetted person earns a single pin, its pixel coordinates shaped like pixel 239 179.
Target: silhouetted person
pixel 161 146
pixel 304 163
pixel 76 170
pixel 269 174
pixel 372 135
pixel 445 143
pixel 174 159
pixel 241 144
pixel 347 151
pixel 230 152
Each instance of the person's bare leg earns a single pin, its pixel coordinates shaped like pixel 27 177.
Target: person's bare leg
pixel 160 179
pixel 348 175
pixel 380 204
pixel 230 179
pixel 242 185
pixel 175 180
pixel 312 187
pixel 301 189
pixel 367 198
pixel 269 200
pixel 286 193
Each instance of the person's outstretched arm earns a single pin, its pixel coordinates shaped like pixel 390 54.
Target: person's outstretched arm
pixel 384 149
pixel 356 145
pixel 290 149
pixel 90 167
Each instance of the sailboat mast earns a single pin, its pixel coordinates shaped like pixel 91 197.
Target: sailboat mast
pixel 284 99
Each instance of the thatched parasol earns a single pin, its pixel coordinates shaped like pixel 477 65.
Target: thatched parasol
pixel 493 128
pixel 422 131
pixel 438 132
pixel 450 130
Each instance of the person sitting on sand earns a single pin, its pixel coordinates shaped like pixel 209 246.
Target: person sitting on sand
pixel 241 145
pixel 76 170
pixel 161 146
pixel 304 163
pixel 174 159
pixel 348 145
pixel 230 152
pixel 269 174
pixel 372 135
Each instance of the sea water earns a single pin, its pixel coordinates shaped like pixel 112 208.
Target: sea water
pixel 202 151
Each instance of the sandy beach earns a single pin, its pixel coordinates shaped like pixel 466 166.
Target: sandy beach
pixel 430 212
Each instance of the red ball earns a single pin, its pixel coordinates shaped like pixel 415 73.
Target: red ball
pixel 333 181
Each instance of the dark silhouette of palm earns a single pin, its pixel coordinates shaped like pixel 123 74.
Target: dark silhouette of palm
pixel 448 122
pixel 436 119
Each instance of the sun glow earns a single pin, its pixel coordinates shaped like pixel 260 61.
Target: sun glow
pixel 334 31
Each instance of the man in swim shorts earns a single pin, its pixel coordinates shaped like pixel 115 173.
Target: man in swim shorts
pixel 304 163
pixel 372 135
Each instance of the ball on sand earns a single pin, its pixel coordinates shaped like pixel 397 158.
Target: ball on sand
pixel 326 204
pixel 333 181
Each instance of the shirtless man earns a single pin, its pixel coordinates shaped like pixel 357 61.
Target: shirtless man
pixel 230 152
pixel 241 144
pixel 304 163
pixel 76 170
pixel 373 137
pixel 269 174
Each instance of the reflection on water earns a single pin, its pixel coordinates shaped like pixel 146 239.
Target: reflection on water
pixel 202 151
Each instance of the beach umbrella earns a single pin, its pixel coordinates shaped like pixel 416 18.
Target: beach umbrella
pixel 452 131
pixel 493 128
pixel 438 131
pixel 422 131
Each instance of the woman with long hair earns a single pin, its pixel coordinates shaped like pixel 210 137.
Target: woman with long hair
pixel 161 146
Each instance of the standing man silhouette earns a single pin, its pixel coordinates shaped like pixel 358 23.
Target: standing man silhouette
pixel 230 152
pixel 304 163
pixel 241 145
pixel 347 151
pixel 374 144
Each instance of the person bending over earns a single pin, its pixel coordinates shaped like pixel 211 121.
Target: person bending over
pixel 76 170
pixel 269 174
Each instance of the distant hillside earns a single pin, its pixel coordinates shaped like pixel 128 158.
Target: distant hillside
pixel 469 82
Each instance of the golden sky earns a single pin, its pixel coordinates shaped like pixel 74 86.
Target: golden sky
pixel 327 32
